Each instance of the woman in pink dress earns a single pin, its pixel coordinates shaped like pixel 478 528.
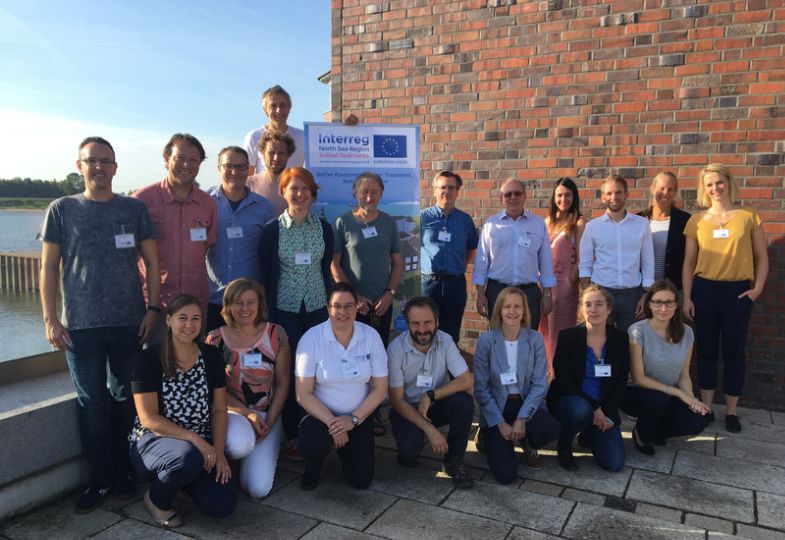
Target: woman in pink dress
pixel 565 227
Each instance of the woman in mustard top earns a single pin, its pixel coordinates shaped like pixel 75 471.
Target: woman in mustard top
pixel 725 268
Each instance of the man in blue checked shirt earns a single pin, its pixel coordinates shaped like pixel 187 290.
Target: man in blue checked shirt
pixel 514 250
pixel 241 215
pixel 449 240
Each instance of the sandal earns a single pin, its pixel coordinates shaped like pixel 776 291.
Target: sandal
pixel 166 519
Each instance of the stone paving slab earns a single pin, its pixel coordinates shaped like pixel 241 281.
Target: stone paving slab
pixel 588 477
pixel 409 520
pixel 709 523
pixel 331 502
pixel 661 462
pixel 544 488
pixel 249 520
pixel 758 451
pixel 659 512
pixel 758 416
pixel 586 523
pixel 771 510
pixel 59 521
pixel 730 472
pixel 522 508
pixel 692 495
pixel 421 484
pixel 778 418
pixel 328 531
pixel 130 529
pixel 526 534
pixel 750 432
pixel 705 443
pixel 586 497
pixel 758 533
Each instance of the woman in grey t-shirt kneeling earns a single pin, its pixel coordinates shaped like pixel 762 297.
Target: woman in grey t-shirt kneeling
pixel 661 394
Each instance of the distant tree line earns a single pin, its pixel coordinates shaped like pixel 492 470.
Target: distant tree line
pixel 26 187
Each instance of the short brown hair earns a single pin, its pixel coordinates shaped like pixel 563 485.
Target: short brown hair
pixel 186 138
pixel 234 290
pixel 277 136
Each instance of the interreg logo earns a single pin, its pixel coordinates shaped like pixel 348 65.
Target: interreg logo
pixel 389 146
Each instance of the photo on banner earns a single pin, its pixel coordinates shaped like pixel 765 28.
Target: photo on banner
pixel 336 154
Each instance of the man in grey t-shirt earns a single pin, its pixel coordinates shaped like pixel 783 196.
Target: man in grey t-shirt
pixel 98 237
pixel 429 387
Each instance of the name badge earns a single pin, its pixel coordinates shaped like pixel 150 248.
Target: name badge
pixel 525 242
pixel 124 241
pixel 350 370
pixel 602 370
pixel 444 236
pixel 302 258
pixel 721 233
pixel 252 360
pixel 509 377
pixel 369 232
pixel 424 381
pixel 198 234
pixel 234 232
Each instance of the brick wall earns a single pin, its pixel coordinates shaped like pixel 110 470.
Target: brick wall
pixel 536 90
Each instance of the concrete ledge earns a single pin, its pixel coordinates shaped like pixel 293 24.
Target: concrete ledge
pixel 42 487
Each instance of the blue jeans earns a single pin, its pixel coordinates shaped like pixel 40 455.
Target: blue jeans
pixel 450 298
pixel 173 464
pixel 575 415
pixel 105 417
pixel 295 324
pixel 661 415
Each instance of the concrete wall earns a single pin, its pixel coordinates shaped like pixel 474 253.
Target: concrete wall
pixel 536 90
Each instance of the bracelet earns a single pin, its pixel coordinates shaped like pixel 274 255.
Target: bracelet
pixel 156 309
pixel 431 395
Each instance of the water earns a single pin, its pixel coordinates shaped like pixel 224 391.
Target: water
pixel 21 327
pixel 18 230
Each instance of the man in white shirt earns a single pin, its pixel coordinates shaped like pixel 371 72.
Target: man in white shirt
pixel 276 104
pixel 617 253
pixel 429 388
pixel 514 251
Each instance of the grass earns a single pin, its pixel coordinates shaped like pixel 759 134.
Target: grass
pixel 24 203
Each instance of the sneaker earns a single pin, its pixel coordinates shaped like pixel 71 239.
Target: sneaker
pixel 91 499
pixel 531 456
pixel 407 461
pixel 124 487
pixel 732 423
pixel 293 451
pixel 456 470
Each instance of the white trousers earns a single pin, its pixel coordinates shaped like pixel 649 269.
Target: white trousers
pixel 258 460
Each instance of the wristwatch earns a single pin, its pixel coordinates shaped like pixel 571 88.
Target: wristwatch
pixel 156 309
pixel 431 395
pixel 356 421
pixel 392 291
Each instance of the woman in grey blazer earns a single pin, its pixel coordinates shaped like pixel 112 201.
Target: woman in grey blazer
pixel 510 383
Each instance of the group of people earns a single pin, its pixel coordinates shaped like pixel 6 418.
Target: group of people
pixel 297 316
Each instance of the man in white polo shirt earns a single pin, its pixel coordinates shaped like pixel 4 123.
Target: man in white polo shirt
pixel 429 388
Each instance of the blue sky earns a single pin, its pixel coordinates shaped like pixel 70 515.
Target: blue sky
pixel 136 72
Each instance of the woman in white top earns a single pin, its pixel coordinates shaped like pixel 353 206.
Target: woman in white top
pixel 510 384
pixel 341 377
pixel 661 394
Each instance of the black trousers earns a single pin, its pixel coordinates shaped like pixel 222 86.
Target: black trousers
pixel 661 415
pixel 357 456
pixel 541 429
pixel 456 410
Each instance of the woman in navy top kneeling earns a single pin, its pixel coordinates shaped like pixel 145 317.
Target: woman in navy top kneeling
pixel 591 365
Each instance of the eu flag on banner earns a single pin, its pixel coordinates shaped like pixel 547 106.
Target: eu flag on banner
pixel 389 146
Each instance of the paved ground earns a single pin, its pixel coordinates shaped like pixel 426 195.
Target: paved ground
pixel 714 485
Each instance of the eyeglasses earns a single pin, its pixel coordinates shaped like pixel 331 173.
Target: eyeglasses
pixel 95 162
pixel 343 307
pixel 510 194
pixel 659 304
pixel 239 167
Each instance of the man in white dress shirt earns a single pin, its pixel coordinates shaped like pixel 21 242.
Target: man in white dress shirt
pixel 617 253
pixel 514 250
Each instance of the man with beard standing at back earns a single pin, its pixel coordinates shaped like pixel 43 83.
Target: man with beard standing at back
pixel 186 221
pixel 276 149
pixel 429 388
